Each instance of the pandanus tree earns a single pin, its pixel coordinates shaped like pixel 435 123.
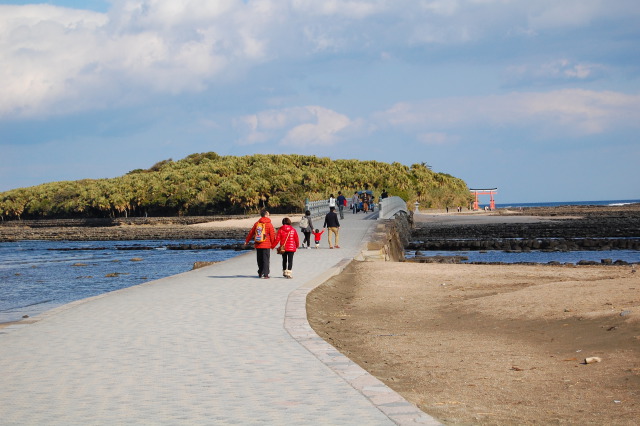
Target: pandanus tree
pixel 210 183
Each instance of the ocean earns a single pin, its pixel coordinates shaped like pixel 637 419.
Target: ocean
pixel 494 256
pixel 566 203
pixel 36 276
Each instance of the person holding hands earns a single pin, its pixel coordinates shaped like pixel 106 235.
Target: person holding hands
pixel 288 239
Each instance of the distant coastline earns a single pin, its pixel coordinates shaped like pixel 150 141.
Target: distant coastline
pixel 568 203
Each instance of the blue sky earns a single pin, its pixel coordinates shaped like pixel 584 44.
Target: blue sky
pixel 538 98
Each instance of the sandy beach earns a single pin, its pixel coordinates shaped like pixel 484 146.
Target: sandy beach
pixel 492 344
pixel 488 344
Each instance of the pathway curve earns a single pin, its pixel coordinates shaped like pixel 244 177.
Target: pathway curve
pixel 212 346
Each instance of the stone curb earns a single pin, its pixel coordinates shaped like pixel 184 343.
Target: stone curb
pixel 389 402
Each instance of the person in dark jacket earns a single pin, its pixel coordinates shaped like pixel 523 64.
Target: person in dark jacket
pixel 332 223
pixel 288 238
pixel 341 201
pixel 264 237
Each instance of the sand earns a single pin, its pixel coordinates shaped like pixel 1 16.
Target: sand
pixel 492 344
pixel 276 220
pixel 484 344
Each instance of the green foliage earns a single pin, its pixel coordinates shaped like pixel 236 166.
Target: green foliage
pixel 208 183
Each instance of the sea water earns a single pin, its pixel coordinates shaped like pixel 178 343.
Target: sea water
pixel 567 203
pixel 537 256
pixel 36 276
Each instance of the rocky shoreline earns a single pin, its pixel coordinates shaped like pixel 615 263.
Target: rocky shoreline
pixel 567 222
pixel 121 229
pixel 566 228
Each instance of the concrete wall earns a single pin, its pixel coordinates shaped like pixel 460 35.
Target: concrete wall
pixel 391 206
pixel 387 239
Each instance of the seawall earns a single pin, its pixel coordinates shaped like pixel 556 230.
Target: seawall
pixel 386 241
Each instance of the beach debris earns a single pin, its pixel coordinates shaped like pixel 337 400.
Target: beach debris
pixel 197 265
pixel 25 316
pixel 116 274
pixel 514 368
pixel 625 313
pixel 137 259
pixel 592 360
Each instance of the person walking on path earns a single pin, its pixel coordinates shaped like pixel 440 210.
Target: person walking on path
pixel 332 201
pixel 332 223
pixel 317 236
pixel 264 238
pixel 341 200
pixel 306 227
pixel 287 237
pixel 355 200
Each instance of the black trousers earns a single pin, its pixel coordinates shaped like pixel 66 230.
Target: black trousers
pixel 287 259
pixel 264 259
pixel 307 237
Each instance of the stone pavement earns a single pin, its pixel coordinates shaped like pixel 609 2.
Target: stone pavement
pixel 212 346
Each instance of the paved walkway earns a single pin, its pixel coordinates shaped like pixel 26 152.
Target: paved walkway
pixel 212 346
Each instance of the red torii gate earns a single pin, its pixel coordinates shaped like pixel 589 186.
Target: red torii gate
pixel 490 192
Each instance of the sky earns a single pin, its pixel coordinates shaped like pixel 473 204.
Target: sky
pixel 540 99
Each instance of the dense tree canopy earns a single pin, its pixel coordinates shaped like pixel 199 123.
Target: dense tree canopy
pixel 208 183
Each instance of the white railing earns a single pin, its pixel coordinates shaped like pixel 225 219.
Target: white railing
pixel 390 206
pixel 317 208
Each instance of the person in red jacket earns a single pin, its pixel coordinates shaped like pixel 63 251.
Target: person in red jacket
pixel 288 238
pixel 263 235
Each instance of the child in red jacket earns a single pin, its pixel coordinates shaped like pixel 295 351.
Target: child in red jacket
pixel 317 235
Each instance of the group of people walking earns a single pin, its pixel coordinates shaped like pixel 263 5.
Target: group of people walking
pixel 286 240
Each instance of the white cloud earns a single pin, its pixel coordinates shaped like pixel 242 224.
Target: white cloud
pixel 333 8
pixel 299 126
pixel 557 71
pixel 570 111
pixel 57 60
